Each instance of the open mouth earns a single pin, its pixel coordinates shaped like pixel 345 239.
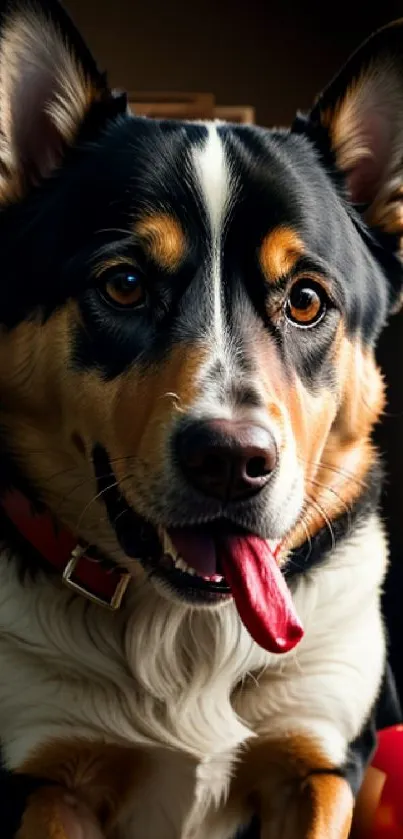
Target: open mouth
pixel 208 563
pixel 203 578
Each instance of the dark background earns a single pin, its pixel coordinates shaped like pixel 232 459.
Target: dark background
pixel 276 57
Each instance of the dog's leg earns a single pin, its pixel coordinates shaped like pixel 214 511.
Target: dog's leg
pixel 91 783
pixel 297 792
pixel 321 807
pixel 53 813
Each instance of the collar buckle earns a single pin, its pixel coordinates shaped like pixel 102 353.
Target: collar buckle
pixel 73 579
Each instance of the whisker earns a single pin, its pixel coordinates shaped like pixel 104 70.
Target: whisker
pixel 392 415
pixel 334 492
pixel 344 473
pixel 321 512
pixel 119 516
pixel 93 499
pixel 294 562
pixel 346 507
pixel 99 495
pixel 79 486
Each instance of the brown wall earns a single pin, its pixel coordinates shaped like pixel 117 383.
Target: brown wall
pixel 275 56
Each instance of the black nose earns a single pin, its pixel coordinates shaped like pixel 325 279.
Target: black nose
pixel 226 459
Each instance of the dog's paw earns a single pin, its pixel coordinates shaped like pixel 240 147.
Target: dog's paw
pixel 53 813
pixel 320 807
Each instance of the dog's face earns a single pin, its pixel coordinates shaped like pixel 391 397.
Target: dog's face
pixel 190 311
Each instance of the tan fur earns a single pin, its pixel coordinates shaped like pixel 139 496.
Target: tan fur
pixel 331 429
pixel 319 806
pixel 336 447
pixel 279 252
pixel 42 818
pixel 103 776
pixel 163 240
pixel 47 407
pixel 52 814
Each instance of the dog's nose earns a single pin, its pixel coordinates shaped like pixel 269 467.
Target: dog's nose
pixel 226 459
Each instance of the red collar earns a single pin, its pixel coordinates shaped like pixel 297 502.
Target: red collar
pixel 82 573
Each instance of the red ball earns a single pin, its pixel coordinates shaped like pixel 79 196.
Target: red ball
pixel 379 811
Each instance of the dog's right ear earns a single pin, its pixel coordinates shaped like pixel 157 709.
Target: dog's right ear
pixel 49 88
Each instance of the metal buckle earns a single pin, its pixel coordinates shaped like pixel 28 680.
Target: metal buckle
pixel 113 603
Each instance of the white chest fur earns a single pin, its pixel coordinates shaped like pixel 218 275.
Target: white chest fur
pixel 171 679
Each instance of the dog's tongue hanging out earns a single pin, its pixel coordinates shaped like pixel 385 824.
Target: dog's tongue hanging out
pixel 260 592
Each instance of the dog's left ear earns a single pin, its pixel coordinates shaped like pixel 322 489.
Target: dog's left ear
pixel 358 119
pixel 50 88
pixel 361 112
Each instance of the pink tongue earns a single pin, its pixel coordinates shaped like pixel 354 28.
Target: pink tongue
pixel 260 592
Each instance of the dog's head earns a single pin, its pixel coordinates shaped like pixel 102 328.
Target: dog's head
pixel 190 310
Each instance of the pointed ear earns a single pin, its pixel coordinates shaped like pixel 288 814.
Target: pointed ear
pixel 49 85
pixel 361 116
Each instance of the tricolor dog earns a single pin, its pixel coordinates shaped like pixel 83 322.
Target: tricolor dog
pixel 191 553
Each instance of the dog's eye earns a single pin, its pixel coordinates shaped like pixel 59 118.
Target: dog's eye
pixel 306 303
pixel 124 289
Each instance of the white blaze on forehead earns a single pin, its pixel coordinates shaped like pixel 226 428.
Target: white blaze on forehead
pixel 214 177
pixel 214 183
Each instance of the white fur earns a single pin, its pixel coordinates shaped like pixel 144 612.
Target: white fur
pixel 216 187
pixel 171 678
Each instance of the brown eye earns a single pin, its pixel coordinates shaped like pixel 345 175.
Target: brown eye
pixel 306 303
pixel 125 289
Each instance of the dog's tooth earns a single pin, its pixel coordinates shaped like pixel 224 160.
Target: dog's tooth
pixel 168 547
pixel 217 578
pixel 182 566
pixel 179 563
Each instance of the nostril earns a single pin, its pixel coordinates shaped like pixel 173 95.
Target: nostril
pixel 257 467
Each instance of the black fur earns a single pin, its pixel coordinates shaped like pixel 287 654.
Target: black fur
pixel 123 167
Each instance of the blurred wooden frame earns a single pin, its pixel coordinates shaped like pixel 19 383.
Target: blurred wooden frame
pixel 244 114
pixel 187 106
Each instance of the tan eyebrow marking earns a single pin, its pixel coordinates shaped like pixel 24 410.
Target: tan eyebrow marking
pixel 279 252
pixel 163 239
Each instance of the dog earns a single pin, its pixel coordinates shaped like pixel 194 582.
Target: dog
pixel 191 634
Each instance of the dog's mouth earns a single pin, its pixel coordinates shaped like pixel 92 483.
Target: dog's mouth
pixel 208 563
pixel 190 562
